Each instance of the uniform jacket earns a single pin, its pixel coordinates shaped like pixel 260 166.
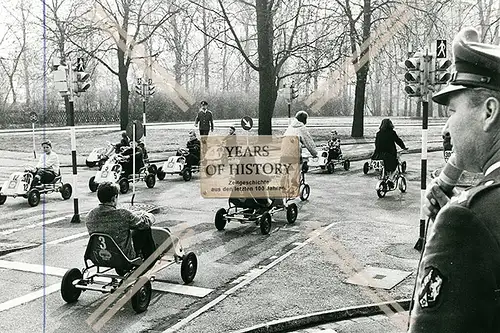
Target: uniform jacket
pixel 297 128
pixel 117 223
pixel 458 279
pixel 205 118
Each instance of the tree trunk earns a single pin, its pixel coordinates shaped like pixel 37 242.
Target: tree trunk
pixel 359 102
pixel 206 66
pixel 267 77
pixel 124 93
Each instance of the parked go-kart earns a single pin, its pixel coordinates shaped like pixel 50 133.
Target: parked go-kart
pixel 103 255
pixel 98 156
pixel 176 165
pixel 112 171
pixel 19 184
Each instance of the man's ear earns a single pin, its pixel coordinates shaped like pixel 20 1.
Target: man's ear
pixel 491 114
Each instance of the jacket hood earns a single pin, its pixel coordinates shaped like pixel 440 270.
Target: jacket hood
pixel 296 124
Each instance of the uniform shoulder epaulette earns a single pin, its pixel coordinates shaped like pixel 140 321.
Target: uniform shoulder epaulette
pixel 467 197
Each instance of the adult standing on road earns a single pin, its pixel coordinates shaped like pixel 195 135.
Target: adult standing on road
pixel 458 280
pixel 205 119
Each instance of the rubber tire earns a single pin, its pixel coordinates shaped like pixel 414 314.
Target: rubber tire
pixel 291 213
pixel 381 189
pixel 3 198
pixel 153 168
pixel 66 191
pixel 305 167
pixel 33 197
pixel 330 167
pixel 403 167
pixel 90 164
pixel 189 266
pixel 220 221
pixel 69 293
pixel 347 165
pixel 141 299
pixel 124 185
pixel 305 191
pixel 265 223
pixel 366 168
pixel 187 175
pixel 402 184
pixel 160 174
pixel 92 184
pixel 150 180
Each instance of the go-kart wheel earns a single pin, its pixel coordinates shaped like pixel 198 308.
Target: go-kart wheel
pixel 140 300
pixel 189 267
pixel 366 167
pixel 403 166
pixel 347 165
pixel 291 213
pixel 305 191
pixel 330 167
pixel 121 272
pixel 153 168
pixel 160 173
pixel 187 175
pixel 124 185
pixel 402 184
pixel 305 167
pixel 33 197
pixel 92 184
pixel 150 180
pixel 90 164
pixel 265 223
pixel 66 191
pixel 3 198
pixel 220 219
pixel 381 188
pixel 69 292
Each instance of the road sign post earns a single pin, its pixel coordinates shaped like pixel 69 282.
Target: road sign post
pixel 34 119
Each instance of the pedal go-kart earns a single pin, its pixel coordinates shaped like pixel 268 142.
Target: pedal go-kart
pixel 176 165
pixel 103 255
pixel 112 171
pixel 19 184
pixel 378 165
pixel 261 210
pixel 98 156
pixel 323 161
pixel 398 181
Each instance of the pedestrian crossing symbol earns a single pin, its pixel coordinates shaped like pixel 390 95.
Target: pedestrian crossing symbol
pixel 441 48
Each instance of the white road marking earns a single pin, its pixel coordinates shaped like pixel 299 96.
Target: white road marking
pixel 32 268
pixel 29 297
pixel 181 289
pixel 250 276
pixel 36 225
pixel 65 239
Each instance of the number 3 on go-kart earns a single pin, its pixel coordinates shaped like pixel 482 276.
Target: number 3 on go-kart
pixel 19 185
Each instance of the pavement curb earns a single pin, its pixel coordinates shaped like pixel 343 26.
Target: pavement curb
pixel 318 318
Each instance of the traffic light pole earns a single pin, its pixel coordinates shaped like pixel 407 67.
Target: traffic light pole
pixel 423 173
pixel 71 123
pixel 289 112
pixel 144 119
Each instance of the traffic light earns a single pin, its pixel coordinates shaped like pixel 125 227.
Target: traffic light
pixel 413 75
pixel 61 79
pixel 442 76
pixel 151 89
pixel 294 92
pixel 82 81
pixel 138 89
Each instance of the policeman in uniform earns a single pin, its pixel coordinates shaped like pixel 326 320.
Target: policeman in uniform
pixel 458 281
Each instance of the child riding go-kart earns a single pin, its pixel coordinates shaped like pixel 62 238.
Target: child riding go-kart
pixel 20 184
pixel 113 171
pixel 103 255
pixel 177 165
pixel 98 156
pixel 327 159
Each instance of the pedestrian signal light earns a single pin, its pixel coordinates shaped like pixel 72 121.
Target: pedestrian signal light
pixel 82 81
pixel 151 90
pixel 442 75
pixel 138 89
pixel 413 76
